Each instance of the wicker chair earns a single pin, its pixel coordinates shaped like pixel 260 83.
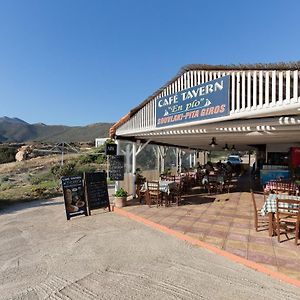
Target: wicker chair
pixel 153 193
pixel 287 217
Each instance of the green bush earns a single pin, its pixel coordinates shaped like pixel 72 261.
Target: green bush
pixel 71 169
pixel 4 179
pixel 101 159
pixel 37 179
pixel 45 188
pixel 85 159
pixel 97 156
pixel 88 169
pixel 6 186
pixel 7 154
pixel 68 169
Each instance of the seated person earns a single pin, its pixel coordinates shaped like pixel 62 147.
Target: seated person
pixel 209 167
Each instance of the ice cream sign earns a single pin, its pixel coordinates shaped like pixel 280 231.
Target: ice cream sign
pixel 204 101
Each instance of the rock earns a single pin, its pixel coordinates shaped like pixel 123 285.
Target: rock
pixel 24 152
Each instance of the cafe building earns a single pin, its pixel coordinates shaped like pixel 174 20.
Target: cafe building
pixel 243 107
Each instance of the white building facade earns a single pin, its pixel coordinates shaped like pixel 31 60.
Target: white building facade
pixel 248 106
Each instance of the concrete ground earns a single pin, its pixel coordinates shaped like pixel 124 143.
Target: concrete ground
pixel 107 256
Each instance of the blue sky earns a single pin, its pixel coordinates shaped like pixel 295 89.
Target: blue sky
pixel 77 62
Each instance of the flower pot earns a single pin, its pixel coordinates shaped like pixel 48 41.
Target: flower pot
pixel 120 201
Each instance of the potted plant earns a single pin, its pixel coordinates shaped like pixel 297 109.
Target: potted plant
pixel 120 198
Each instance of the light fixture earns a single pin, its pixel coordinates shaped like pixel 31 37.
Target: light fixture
pixel 213 142
pixel 226 148
pixel 233 148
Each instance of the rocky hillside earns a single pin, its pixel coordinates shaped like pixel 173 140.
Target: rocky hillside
pixel 16 130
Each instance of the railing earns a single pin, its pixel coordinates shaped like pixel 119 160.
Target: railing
pixel 251 92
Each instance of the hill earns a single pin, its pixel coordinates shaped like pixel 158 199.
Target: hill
pixel 17 130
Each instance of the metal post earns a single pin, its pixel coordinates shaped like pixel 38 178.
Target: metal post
pixel 180 161
pixel 177 160
pixel 127 153
pixel 162 159
pixel 62 154
pixel 158 160
pixel 133 168
pixel 117 183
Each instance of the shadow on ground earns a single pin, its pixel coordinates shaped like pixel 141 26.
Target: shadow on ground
pixel 8 206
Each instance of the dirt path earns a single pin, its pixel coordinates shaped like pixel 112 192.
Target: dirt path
pixel 106 256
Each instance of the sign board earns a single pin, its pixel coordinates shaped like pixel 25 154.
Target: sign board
pixel 116 167
pixel 111 149
pixel 96 190
pixel 205 101
pixel 75 203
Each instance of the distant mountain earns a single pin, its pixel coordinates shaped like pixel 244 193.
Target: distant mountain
pixel 12 120
pixel 17 130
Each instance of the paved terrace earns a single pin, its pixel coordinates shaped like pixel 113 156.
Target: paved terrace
pixel 226 221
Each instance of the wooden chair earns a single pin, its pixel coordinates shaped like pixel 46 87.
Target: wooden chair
pixel 227 183
pixel 286 187
pixel 170 178
pixel 177 192
pixel 213 184
pixel 259 219
pixel 163 177
pixel 153 193
pixel 282 187
pixel 270 186
pixel 287 217
pixel 141 192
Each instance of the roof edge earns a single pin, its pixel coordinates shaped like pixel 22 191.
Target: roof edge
pixel 204 67
pixel 113 129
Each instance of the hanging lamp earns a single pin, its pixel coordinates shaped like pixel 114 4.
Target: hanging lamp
pixel 213 142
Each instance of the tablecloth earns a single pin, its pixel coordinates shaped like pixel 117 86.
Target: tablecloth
pixel 270 204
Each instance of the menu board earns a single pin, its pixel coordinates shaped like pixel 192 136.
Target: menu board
pixel 116 167
pixel 96 190
pixel 75 203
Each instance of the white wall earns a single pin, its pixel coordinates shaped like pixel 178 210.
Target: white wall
pixel 100 141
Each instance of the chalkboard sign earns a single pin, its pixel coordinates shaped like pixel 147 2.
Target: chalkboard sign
pixel 116 167
pixel 75 203
pixel 96 190
pixel 111 149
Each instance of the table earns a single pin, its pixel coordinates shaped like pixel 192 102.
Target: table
pixel 215 178
pixel 165 186
pixel 269 207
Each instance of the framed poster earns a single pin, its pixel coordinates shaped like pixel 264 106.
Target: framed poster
pixel 74 198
